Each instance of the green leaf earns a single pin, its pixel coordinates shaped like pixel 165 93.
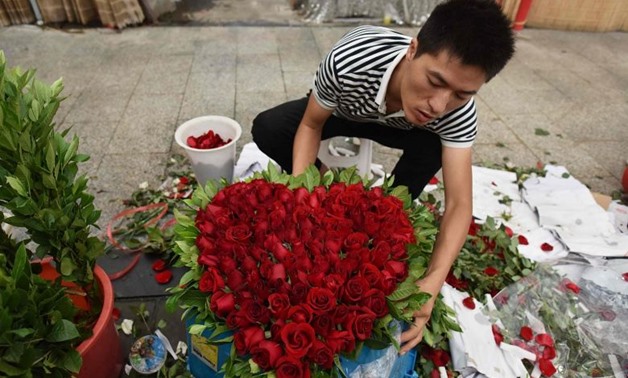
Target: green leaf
pixel 63 330
pixel 67 266
pixel 541 132
pixel 17 185
pixel 11 370
pixel 72 361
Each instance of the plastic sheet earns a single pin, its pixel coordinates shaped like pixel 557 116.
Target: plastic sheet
pixel 585 310
pixel 398 12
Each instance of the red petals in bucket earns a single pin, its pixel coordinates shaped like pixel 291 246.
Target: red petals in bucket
pixel 163 277
pixel 547 367
pixel 547 247
pixel 469 303
pixel 490 271
pixel 522 240
pixel 526 333
pixel 206 141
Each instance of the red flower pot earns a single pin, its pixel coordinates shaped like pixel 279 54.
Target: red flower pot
pixel 101 353
pixel 102 356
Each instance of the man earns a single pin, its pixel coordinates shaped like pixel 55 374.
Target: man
pixel 414 94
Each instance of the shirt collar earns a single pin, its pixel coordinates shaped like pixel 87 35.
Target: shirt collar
pixel 380 99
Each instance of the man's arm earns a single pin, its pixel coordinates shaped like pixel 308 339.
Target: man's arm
pixel 452 234
pixel 308 137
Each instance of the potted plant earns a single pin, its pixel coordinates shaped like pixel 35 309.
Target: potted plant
pixel 48 203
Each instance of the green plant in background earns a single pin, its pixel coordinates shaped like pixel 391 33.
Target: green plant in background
pixel 46 200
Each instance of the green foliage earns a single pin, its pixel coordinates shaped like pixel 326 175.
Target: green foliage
pixel 47 198
pixel 39 181
pixel 37 336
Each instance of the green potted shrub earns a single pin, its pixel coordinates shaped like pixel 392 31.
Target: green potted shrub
pixel 48 202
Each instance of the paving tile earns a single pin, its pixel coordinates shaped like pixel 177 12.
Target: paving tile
pixel 612 155
pixel 516 153
pixel 297 83
pixel 256 40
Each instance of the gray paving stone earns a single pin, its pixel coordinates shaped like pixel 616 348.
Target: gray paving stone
pixel 516 153
pixel 612 155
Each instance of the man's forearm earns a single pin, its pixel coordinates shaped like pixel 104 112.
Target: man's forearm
pixel 305 149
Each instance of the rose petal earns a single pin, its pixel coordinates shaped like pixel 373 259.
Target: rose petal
pixel 522 240
pixel 433 181
pixel 469 303
pixel 508 231
pixel 163 277
pixel 115 313
pixel 159 265
pixel 549 353
pixel 625 276
pixel 547 367
pixel 547 247
pixel 573 287
pixel 497 334
pixel 526 333
pixel 490 271
pixel 127 326
pixel 544 339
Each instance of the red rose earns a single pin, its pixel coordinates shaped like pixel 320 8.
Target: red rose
pixel 239 233
pixel 222 303
pixel 235 280
pixel 300 313
pixel 279 304
pixel 355 240
pixel 362 325
pixel 321 355
pixel 354 289
pixel 266 354
pixel 491 271
pixel 375 300
pixel 340 341
pixel 247 338
pixel 298 292
pixel 291 367
pixel 321 300
pixel 440 357
pixel 254 311
pixel 297 338
pixel 236 320
pixel 211 281
pixel 399 269
pixel 526 333
pixel 333 282
pixel 323 324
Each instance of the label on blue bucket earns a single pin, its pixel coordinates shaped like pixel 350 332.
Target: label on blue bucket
pixel 205 352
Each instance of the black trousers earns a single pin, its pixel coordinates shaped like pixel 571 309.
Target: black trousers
pixel 274 131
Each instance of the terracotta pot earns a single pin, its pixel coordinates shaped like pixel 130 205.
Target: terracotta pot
pixel 101 353
pixel 102 356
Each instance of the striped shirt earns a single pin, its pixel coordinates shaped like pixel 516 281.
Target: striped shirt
pixel 353 78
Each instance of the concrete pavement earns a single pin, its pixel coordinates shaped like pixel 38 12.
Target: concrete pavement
pixel 127 91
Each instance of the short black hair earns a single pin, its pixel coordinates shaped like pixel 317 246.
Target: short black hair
pixel 475 31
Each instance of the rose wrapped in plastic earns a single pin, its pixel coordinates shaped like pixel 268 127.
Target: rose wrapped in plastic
pixel 302 269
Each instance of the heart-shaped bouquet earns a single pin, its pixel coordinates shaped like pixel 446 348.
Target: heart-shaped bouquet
pixel 301 269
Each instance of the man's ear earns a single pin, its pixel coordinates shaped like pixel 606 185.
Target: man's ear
pixel 412 49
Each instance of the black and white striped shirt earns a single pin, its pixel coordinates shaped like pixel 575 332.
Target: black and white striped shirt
pixel 353 78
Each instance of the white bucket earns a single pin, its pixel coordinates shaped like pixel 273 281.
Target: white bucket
pixel 215 163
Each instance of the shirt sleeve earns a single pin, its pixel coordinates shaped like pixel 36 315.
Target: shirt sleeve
pixel 460 127
pixel 327 88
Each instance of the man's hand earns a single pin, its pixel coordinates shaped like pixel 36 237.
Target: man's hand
pixel 412 337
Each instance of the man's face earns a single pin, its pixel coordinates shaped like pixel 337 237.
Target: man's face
pixel 433 85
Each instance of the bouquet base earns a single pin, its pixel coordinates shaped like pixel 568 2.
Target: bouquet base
pixel 205 359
